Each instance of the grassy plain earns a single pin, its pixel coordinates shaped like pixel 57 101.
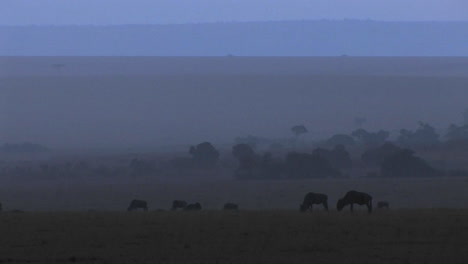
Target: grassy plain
pixel 427 222
pixel 394 236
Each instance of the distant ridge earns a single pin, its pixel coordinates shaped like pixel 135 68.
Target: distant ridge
pixel 285 38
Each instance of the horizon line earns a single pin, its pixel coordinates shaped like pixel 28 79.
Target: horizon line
pixel 241 22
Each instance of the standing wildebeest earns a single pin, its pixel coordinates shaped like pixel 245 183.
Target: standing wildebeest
pixel 314 198
pixel 135 204
pixel 353 197
pixel 193 207
pixel 178 204
pixel 230 206
pixel 383 204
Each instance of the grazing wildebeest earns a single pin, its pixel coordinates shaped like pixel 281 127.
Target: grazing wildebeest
pixel 230 206
pixel 383 204
pixel 314 198
pixel 193 207
pixel 178 204
pixel 353 197
pixel 135 204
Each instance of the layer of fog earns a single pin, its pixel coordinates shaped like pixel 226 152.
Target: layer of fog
pixel 151 111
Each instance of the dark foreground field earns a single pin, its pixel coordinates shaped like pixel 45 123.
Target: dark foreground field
pixel 395 236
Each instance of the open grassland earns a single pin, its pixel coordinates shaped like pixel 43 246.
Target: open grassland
pixel 116 194
pixel 394 236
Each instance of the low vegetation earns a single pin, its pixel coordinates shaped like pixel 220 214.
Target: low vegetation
pixel 395 236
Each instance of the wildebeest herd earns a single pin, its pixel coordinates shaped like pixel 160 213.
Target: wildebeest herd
pixel 350 198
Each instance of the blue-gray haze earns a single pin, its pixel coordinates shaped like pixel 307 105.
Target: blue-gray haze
pixel 106 12
pixel 124 102
pixel 102 102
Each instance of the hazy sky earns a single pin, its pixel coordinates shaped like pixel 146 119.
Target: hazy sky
pixel 24 12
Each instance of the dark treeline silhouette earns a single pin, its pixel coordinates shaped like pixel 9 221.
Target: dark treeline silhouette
pixel 411 153
pixel 370 138
pixel 404 164
pixel 138 204
pixel 425 135
pixel 295 165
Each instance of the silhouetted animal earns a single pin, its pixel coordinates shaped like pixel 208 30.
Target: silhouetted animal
pixel 354 197
pixel 178 204
pixel 230 206
pixel 135 204
pixel 383 204
pixel 314 198
pixel 193 207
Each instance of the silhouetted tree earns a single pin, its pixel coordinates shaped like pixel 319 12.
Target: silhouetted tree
pixel 405 164
pixel 424 135
pixel 243 151
pixel 338 156
pixel 247 160
pixel 204 154
pixel 370 138
pixel 375 156
pixel 270 168
pixel 299 130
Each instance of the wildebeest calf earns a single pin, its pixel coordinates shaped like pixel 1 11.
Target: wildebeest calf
pixel 314 198
pixel 230 206
pixel 383 204
pixel 193 207
pixel 135 204
pixel 178 204
pixel 354 197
